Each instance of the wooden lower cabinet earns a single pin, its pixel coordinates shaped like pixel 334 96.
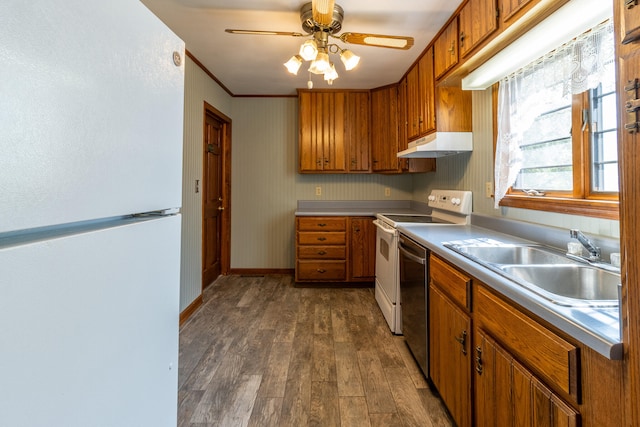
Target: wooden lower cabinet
pixel 508 394
pixel 335 249
pixel 449 355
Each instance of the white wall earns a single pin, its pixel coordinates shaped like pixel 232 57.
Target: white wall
pixel 471 171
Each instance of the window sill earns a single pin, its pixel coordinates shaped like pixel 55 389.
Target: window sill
pixel 606 209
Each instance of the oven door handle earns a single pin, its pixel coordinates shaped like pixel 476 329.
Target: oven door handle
pixel 381 226
pixel 411 256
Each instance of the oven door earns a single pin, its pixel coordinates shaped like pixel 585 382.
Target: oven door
pixel 387 291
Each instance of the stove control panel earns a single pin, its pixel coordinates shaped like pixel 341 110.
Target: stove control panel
pixel 451 200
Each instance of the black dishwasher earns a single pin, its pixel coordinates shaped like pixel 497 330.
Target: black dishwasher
pixel 414 265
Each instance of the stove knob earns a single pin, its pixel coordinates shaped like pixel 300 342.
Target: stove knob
pixel 455 201
pixel 432 198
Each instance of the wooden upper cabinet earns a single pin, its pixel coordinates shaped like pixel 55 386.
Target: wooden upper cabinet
pixel 322 131
pixel 357 131
pixel 421 116
pixel 384 129
pixel 478 20
pixel 511 10
pixel 629 20
pixel 446 49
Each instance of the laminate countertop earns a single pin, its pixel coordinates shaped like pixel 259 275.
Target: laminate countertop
pixel 596 327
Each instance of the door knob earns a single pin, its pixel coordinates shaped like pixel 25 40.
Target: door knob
pixel 220 208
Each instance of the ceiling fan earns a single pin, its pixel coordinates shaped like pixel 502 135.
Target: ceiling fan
pixel 322 19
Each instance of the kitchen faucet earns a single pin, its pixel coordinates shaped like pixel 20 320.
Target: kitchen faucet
pixel 594 251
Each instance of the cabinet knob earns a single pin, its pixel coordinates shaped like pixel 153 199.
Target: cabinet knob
pixel 322 239
pixel 322 252
pixel 321 270
pixel 322 224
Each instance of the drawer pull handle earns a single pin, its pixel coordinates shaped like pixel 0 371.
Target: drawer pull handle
pixel 322 239
pixel 322 253
pixel 322 225
pixel 479 360
pixel 321 270
pixel 462 339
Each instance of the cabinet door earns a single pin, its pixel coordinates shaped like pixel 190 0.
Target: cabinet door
pixel 413 103
pixel 508 394
pixel 427 99
pixel 384 129
pixel 362 249
pixel 512 9
pixel 357 131
pixel 449 361
pixel 322 132
pixel 478 19
pixel 629 20
pixel 446 49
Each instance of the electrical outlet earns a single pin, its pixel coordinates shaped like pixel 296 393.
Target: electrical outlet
pixel 318 191
pixel 488 189
pixel 387 192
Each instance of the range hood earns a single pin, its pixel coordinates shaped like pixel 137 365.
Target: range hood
pixel 438 144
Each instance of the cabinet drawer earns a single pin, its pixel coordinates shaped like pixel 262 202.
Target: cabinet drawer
pixel 313 223
pixel 319 238
pixel 450 280
pixel 321 252
pixel 554 358
pixel 321 270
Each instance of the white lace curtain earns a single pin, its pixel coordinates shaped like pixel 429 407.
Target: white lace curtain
pixel 573 68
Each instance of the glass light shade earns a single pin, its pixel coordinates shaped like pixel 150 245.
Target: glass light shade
pixel 293 64
pixel 321 64
pixel 309 50
pixel 349 59
pixel 331 74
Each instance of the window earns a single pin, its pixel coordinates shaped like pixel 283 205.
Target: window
pixel 557 135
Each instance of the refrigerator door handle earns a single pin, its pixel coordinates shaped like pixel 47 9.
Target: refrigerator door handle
pixel 162 212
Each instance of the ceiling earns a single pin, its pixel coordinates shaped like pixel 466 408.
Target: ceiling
pixel 253 64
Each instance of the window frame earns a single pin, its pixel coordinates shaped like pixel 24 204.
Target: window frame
pixel 581 201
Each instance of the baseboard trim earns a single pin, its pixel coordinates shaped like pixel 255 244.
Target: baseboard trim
pixel 260 271
pixel 187 312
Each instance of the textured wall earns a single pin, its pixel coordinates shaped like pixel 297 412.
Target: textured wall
pixel 471 171
pixel 199 87
pixel 266 185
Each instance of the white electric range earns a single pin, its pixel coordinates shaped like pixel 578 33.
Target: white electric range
pixel 448 207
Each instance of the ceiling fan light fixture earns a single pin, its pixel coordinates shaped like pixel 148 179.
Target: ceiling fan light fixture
pixel 349 59
pixel 293 64
pixel 309 50
pixel 321 64
pixel 331 74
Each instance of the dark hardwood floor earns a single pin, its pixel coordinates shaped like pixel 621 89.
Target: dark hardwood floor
pixel 261 352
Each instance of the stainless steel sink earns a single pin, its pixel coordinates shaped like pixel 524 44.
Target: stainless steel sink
pixel 570 285
pixel 512 254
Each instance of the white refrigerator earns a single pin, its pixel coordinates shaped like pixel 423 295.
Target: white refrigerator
pixel 91 117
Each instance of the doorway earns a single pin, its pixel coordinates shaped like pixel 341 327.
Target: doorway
pixel 216 184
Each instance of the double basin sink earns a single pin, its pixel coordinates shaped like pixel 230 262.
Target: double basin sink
pixel 546 272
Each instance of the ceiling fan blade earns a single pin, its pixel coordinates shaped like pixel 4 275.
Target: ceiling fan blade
pixel 379 40
pixel 323 11
pixel 264 33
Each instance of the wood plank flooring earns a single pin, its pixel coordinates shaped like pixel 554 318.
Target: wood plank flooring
pixel 261 352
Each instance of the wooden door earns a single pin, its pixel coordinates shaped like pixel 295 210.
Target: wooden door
pixel 212 201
